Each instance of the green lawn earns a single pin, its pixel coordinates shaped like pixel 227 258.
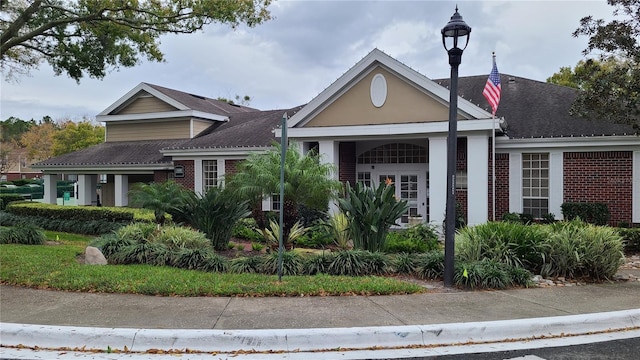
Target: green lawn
pixel 56 267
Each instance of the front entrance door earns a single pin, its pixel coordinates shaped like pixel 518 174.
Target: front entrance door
pixel 409 185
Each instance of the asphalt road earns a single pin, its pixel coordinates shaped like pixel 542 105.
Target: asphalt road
pixel 627 349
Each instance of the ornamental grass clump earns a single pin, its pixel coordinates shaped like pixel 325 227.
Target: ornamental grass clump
pixel 26 235
pixel 510 243
pixel 292 263
pixel 578 249
pixel 430 265
pixel 246 264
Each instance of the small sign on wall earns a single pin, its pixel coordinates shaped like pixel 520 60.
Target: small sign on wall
pixel 178 171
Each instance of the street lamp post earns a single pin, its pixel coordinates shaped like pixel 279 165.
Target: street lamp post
pixel 455 29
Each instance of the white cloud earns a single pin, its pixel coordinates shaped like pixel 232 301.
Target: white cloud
pixel 289 60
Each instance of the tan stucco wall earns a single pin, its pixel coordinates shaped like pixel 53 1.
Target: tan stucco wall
pixel 123 131
pixel 404 104
pixel 143 105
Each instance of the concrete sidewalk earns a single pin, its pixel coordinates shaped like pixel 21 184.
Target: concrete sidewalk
pixel 28 306
pixel 308 325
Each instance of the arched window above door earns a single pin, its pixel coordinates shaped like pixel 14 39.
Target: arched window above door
pixel 397 153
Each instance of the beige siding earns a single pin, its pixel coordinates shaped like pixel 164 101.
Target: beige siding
pixel 200 126
pixel 123 131
pixel 404 104
pixel 143 105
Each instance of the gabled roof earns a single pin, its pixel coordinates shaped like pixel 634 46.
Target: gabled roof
pixel 535 109
pixel 252 129
pixel 378 58
pixel 182 101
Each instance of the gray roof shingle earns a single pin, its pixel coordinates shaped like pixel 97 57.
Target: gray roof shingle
pixel 535 109
pixel 202 103
pixel 114 153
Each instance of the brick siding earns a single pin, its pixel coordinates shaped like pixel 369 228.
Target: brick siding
pixel 347 167
pixel 600 176
pixel 188 181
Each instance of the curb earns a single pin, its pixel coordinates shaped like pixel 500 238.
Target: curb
pixel 307 340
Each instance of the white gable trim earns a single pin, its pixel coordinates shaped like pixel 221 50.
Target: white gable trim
pixel 388 130
pixel 162 115
pixel 134 92
pixel 356 72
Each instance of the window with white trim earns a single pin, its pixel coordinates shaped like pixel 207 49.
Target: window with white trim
pixel 209 174
pixel 276 205
pixel 535 184
pixel 364 178
pixel 461 180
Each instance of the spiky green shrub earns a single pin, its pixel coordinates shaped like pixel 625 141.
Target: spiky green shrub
pixel 110 244
pixel 349 262
pixel 318 263
pixel 204 259
pixel 371 213
pixel 506 242
pixel 430 265
pixel 339 225
pixel 26 235
pixel 292 263
pixel 495 275
pixel 246 264
pixel 376 263
pixel 215 213
pixel 520 276
pixel 405 263
pixel 142 252
pixel 468 274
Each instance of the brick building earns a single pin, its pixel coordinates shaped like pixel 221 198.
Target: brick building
pixel 380 120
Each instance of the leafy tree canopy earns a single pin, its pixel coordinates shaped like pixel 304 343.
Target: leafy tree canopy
pixel 75 136
pixel 611 86
pixel 13 128
pixel 92 36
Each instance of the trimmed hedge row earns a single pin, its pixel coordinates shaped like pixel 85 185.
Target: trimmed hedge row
pixel 84 213
pixel 93 227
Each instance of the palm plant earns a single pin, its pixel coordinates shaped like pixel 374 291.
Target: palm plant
pixel 307 182
pixel 371 214
pixel 272 234
pixel 215 213
pixel 159 197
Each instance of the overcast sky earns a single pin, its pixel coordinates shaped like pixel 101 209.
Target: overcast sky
pixel 309 44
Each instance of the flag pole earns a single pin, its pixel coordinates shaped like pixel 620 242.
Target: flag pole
pixel 493 161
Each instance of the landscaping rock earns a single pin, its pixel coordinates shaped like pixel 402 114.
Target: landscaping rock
pixel 93 256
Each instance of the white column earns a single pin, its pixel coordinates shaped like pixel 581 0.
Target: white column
pixel 198 187
pixel 220 163
pixel 87 189
pixel 329 153
pixel 50 189
pixel 437 179
pixel 635 190
pixel 515 182
pixel 121 190
pixel 478 179
pixel 556 183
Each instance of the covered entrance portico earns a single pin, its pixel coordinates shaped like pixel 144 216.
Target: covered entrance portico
pixel 417 169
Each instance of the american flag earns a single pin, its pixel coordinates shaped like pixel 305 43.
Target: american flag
pixel 493 88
